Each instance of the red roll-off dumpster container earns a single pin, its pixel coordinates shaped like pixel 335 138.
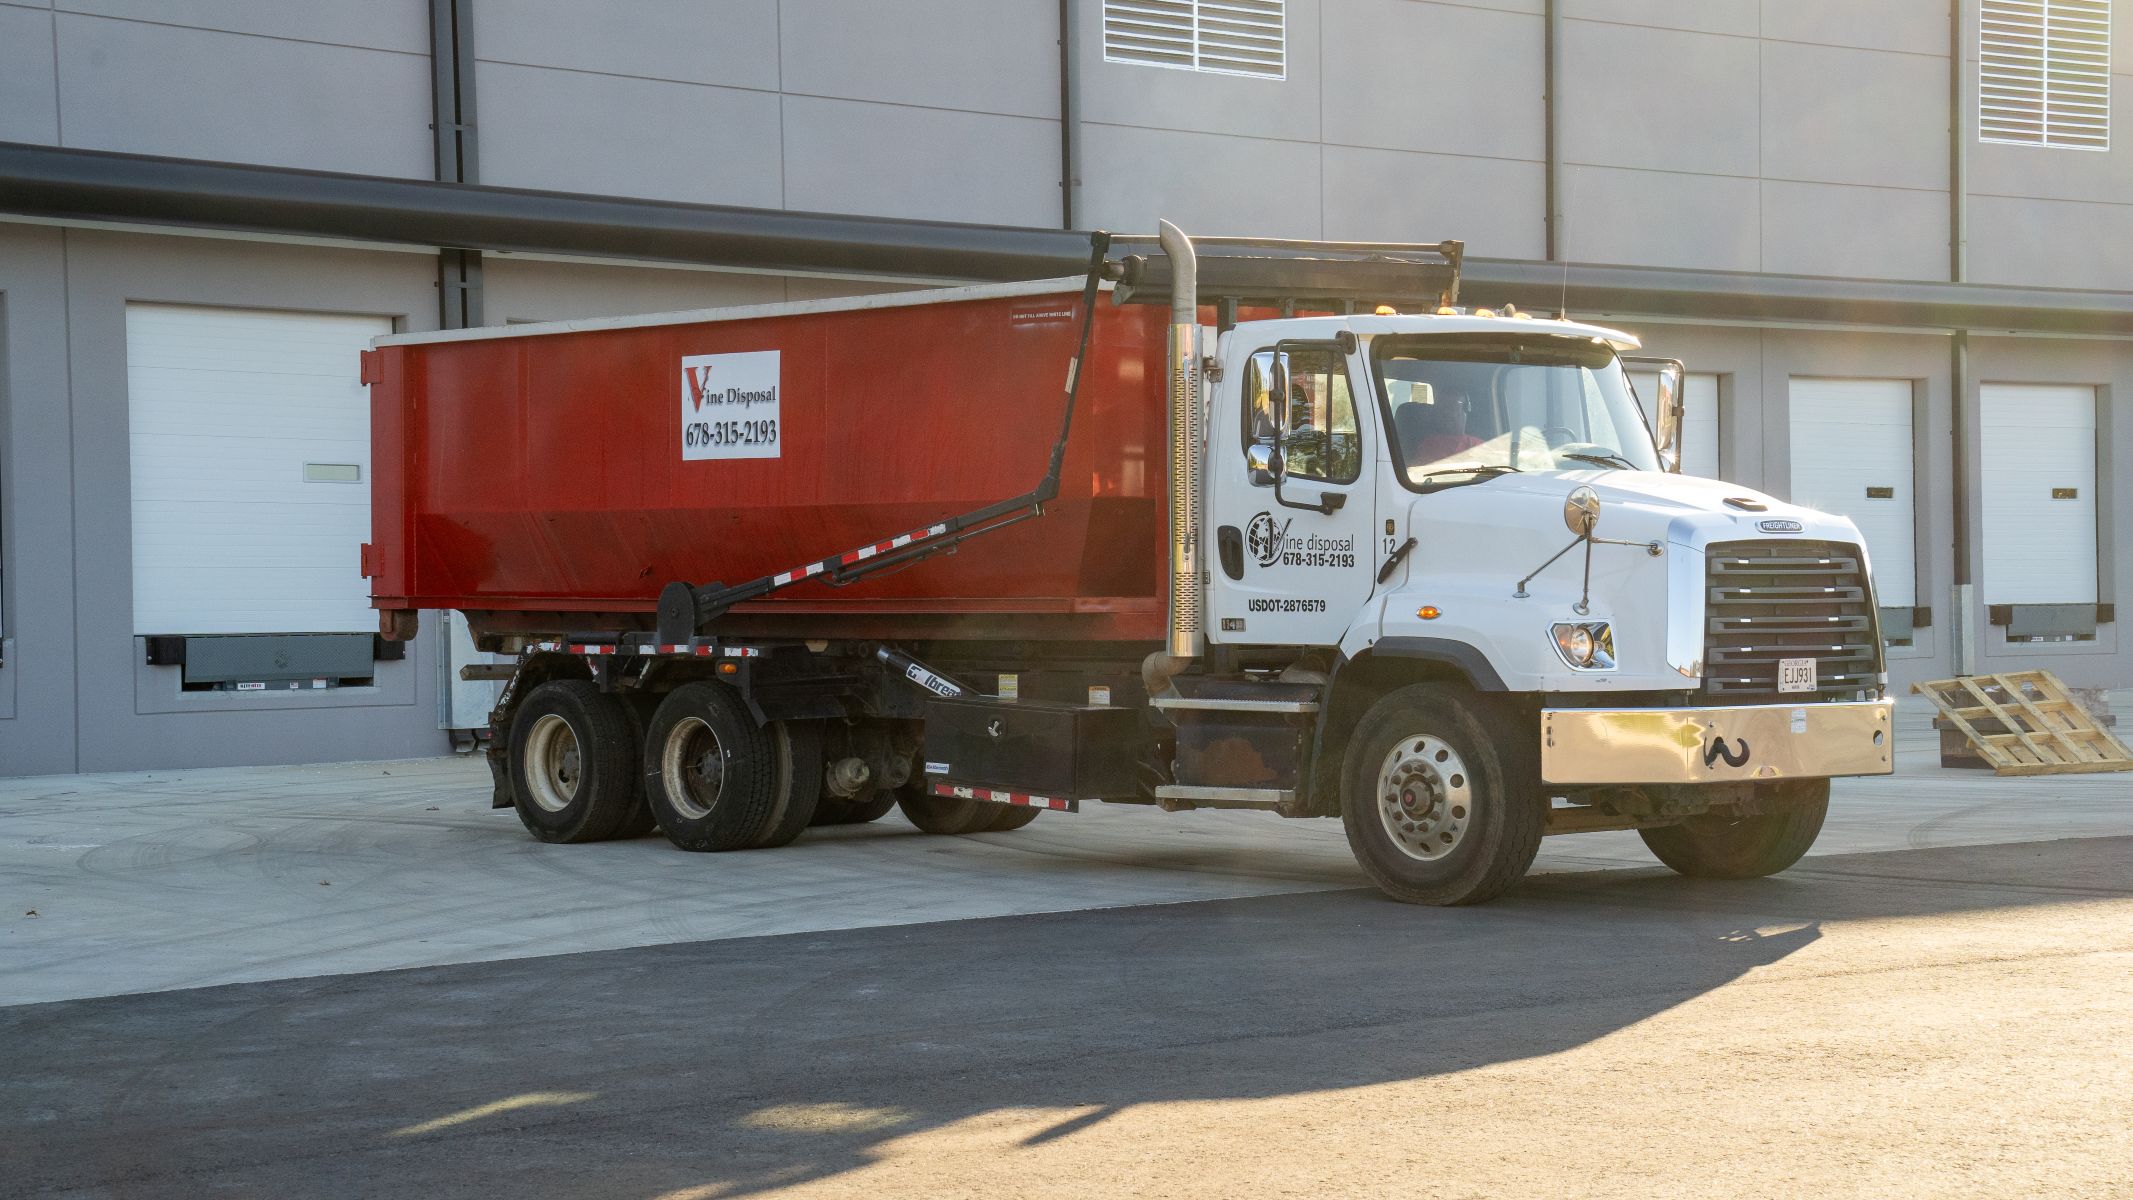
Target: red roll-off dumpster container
pixel 554 477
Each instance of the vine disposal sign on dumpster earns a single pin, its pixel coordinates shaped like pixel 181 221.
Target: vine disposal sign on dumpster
pixel 729 405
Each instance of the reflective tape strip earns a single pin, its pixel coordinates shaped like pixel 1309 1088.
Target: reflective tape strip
pixel 1024 799
pixel 592 649
pixel 742 652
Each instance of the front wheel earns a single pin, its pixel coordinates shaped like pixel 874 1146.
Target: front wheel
pixel 1721 845
pixel 1435 811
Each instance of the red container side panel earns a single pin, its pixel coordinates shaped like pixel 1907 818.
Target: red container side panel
pixel 541 478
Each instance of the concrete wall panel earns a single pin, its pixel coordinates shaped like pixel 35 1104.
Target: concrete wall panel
pixel 1859 232
pixel 1735 17
pixel 733 43
pixel 1661 219
pixel 1206 183
pixel 402 25
pixel 37 535
pixel 29 83
pixel 2051 243
pixel 578 132
pixel 1659 100
pixel 1833 115
pixel 159 89
pixel 897 161
pixel 1492 204
pixel 519 289
pixel 1435 77
pixel 980 55
pixel 1911 26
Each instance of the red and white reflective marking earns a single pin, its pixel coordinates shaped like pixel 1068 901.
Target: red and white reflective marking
pixel 1025 799
pixel 860 555
pixel 798 573
pixel 706 650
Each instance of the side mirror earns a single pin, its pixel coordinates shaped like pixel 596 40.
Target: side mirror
pixel 1668 405
pixel 1264 462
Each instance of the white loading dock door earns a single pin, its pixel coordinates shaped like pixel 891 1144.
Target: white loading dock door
pixel 2037 446
pixel 250 436
pixel 1853 453
pixel 1699 418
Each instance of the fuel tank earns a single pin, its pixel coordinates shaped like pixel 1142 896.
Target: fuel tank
pixel 553 477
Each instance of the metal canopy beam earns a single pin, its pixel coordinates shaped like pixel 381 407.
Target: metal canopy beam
pixel 89 185
pixel 1747 297
pixel 45 181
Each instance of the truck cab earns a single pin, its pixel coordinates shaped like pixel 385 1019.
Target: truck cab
pixel 1459 522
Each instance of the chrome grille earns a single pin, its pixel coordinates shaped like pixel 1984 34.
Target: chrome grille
pixel 1770 600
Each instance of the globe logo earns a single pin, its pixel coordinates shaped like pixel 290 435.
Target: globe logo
pixel 1263 538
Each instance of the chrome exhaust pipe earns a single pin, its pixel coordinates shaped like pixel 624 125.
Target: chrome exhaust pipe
pixel 1187 637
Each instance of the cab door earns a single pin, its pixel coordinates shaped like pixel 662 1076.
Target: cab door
pixel 1291 464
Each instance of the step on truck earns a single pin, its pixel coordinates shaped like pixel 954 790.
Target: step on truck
pixel 1299 533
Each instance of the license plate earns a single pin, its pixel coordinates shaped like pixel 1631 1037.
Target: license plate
pixel 1796 675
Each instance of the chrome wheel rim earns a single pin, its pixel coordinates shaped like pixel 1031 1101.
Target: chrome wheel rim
pixel 554 763
pixel 1425 797
pixel 692 765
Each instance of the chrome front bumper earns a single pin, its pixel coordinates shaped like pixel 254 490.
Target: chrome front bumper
pixel 1717 745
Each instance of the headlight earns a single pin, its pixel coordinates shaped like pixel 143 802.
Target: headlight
pixel 1586 645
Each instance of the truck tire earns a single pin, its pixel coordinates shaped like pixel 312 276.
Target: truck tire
pixel 710 772
pixel 947 814
pixel 1435 811
pixel 836 810
pixel 1013 816
pixel 1720 846
pixel 638 707
pixel 572 766
pixel 873 808
pixel 796 753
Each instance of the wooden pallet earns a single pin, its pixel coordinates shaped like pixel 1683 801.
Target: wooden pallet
pixel 2047 731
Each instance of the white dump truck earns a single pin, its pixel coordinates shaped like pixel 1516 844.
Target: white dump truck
pixel 1320 541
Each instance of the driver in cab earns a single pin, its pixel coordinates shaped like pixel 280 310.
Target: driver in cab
pixel 1432 426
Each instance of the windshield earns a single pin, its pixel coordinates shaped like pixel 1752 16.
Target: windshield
pixel 1509 402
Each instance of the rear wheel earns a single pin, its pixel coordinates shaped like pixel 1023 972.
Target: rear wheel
pixel 839 810
pixel 639 708
pixel 948 814
pixel 1435 812
pixel 710 772
pixel 1015 816
pixel 571 759
pixel 796 754
pixel 1725 846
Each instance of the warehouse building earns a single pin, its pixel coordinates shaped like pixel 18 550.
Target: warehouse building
pixel 1889 239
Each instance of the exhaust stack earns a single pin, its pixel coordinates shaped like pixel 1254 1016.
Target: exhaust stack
pixel 1187 637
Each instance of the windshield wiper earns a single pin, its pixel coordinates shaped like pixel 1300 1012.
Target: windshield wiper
pixel 1484 469
pixel 1605 460
pixel 1474 472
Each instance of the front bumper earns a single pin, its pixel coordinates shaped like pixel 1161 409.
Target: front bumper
pixel 1717 745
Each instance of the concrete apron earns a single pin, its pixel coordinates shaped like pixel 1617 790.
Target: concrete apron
pixel 121 883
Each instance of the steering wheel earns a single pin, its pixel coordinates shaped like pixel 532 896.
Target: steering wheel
pixel 1585 448
pixel 1558 436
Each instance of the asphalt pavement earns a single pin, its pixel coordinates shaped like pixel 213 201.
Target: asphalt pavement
pixel 408 997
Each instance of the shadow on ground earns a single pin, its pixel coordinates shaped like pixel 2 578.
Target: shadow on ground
pixel 735 1067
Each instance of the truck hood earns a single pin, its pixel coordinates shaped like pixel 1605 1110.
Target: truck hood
pixel 1683 509
pixel 1478 542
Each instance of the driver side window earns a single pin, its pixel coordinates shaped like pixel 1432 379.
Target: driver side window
pixel 1315 422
